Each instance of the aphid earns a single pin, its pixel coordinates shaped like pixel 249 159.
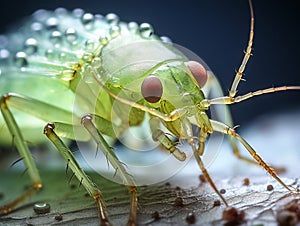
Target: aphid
pixel 87 77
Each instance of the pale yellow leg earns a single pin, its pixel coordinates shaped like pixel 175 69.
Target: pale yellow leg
pixel 222 128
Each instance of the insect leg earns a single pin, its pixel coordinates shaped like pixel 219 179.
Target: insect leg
pixel 239 73
pixel 38 108
pixel 24 153
pixel 197 154
pixel 87 122
pixel 223 114
pixel 164 140
pixel 231 100
pixel 222 128
pixel 91 188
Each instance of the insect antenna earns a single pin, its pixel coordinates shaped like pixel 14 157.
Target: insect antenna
pixel 247 54
pixel 232 100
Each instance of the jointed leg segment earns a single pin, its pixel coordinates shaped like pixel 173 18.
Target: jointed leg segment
pixel 197 153
pixel 87 122
pixel 91 188
pixel 220 127
pixel 24 153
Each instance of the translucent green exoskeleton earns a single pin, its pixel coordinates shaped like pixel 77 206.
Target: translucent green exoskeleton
pixel 88 77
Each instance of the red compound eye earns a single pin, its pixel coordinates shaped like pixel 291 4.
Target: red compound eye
pixel 198 71
pixel 152 89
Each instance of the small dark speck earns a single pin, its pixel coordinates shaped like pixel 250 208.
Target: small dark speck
pixel 217 203
pixel 233 216
pixel 167 184
pixel 178 201
pixel 1 195
pixel 246 181
pixel 190 218
pixel 155 215
pixel 72 186
pixel 86 195
pixel 178 188
pixel 222 191
pixel 286 218
pixel 270 187
pixel 58 217
pixel 202 178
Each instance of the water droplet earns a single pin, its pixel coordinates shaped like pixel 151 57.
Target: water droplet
pixel 133 27
pixel 40 15
pixel 77 13
pixel 62 56
pixel 60 11
pixel 103 39
pixel 49 53
pixel 4 54
pixel 114 31
pixel 41 208
pixel 146 30
pixel 166 39
pixel 21 59
pixel 56 37
pixel 112 19
pixel 98 16
pixel 52 23
pixel 87 20
pixel 74 44
pixel 96 62
pixel 36 26
pixel 4 57
pixel 30 46
pixel 70 35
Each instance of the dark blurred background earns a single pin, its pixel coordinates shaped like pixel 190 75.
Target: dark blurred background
pixel 218 32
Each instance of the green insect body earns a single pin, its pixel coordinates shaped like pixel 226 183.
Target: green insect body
pixel 95 78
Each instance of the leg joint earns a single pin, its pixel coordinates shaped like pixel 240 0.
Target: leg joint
pixel 49 128
pixel 85 118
